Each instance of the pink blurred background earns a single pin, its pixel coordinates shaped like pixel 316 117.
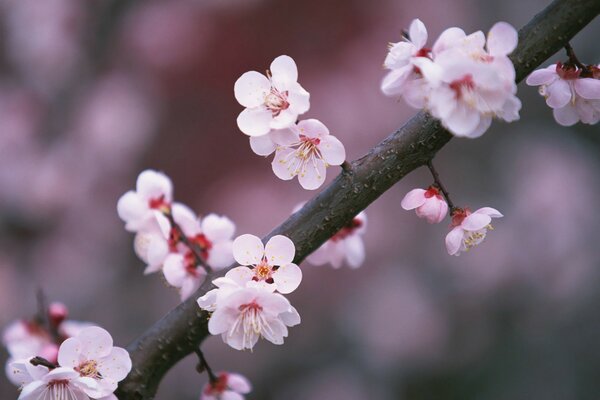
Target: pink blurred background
pixel 93 92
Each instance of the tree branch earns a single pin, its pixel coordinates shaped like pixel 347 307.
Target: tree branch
pixel 181 331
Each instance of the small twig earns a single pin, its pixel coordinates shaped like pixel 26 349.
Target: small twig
pixel 196 251
pixel 438 183
pixel 43 318
pixel 346 166
pixel 35 361
pixel 573 58
pixel 203 365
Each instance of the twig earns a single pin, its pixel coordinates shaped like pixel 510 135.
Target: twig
pixel 204 365
pixel 573 57
pixel 182 237
pixel 35 361
pixel 438 183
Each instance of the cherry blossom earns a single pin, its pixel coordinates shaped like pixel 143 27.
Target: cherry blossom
pixel 346 244
pixel 428 204
pixel 271 266
pixel 273 101
pixel 248 313
pixel 229 386
pixel 144 207
pixel 98 365
pixel 306 150
pixel 570 92
pixel 469 228
pixel 183 273
pixel 38 382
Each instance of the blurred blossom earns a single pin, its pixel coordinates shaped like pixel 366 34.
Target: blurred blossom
pixel 43 40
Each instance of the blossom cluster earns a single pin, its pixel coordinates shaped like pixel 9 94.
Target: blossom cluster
pixel 463 80
pixel 55 358
pixel 273 103
pixel 572 92
pixel 170 237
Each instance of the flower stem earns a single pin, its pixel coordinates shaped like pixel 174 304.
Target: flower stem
pixel 438 183
pixel 182 237
pixel 573 58
pixel 35 361
pixel 203 365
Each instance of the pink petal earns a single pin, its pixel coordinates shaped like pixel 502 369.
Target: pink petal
pixel 355 251
pixel 299 99
pixel 255 121
pixel 229 395
pixel 313 174
pixel 492 212
pixel 96 342
pixel 312 128
pixel 186 219
pixel 484 125
pixel 174 270
pixel 449 38
pixel 476 221
pixel 502 39
pixel 240 275
pixel 191 284
pixel 285 137
pixel 116 365
pixel 220 321
pixel 238 383
pixel 251 89
pixel 284 69
pixel 566 116
pixel 69 353
pixel 463 122
pixel 248 250
pixel 285 119
pixel 332 150
pixel 280 250
pixel 262 145
pixel 430 71
pixel 413 199
pixel 291 317
pixel 454 240
pixel 542 76
pixel 33 391
pixel 285 164
pixel 398 55
pixel 418 33
pixel 220 255
pixel 152 184
pixel 393 82
pixel 588 88
pixel 287 278
pixel 558 94
pixel 131 207
pixel 217 228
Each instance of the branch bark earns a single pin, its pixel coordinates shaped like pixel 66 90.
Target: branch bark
pixel 181 331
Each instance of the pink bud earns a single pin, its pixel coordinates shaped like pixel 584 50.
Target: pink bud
pixel 428 204
pixel 57 313
pixel 50 353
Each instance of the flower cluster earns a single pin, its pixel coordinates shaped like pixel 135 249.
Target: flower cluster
pixel 170 237
pixel 273 103
pixel 463 80
pixel 245 305
pixel 88 367
pixel 572 92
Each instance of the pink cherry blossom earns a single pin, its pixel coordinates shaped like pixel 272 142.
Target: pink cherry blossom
pixel 270 266
pixel 346 245
pixel 469 228
pixel 428 204
pixel 183 273
pixel 248 313
pixel 229 386
pixel 273 101
pixel 40 383
pixel 98 365
pixel 572 97
pixel 144 207
pixel 306 150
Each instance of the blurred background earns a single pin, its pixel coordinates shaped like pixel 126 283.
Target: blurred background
pixel 92 92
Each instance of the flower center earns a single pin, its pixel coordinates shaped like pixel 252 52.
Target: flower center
pixel 474 238
pixel 252 322
pixel 89 369
pixel 347 230
pixel 567 72
pixel 263 272
pixel 160 204
pixel 308 147
pixel 424 52
pixel 432 191
pixel 459 215
pixel 462 85
pixel 218 387
pixel 276 101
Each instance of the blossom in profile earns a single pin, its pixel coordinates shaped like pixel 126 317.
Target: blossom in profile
pixel 428 204
pixel 572 93
pixel 270 266
pixel 248 313
pixel 306 150
pixel 229 386
pixel 346 245
pixel 38 382
pixel 143 208
pixel 273 101
pixel 469 228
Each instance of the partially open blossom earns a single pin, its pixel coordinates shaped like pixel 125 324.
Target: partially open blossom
pixel 346 245
pixel 469 228
pixel 229 386
pixel 572 93
pixel 270 266
pixel 248 313
pixel 428 204
pixel 306 150
pixel 144 207
pixel 273 101
pixel 98 365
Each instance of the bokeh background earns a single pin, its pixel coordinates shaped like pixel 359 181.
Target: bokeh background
pixel 92 92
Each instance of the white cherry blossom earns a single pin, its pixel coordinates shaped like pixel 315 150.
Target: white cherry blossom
pixel 573 95
pixel 143 208
pixel 273 101
pixel 182 272
pixel 98 365
pixel 428 204
pixel 346 245
pixel 306 150
pixel 248 313
pixel 270 266
pixel 38 382
pixel 229 386
pixel 469 228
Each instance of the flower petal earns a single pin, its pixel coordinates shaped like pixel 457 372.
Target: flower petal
pixel 448 39
pixel 287 278
pixel 116 365
pixel 312 128
pixel 454 240
pixel 248 250
pixel 463 121
pixel 542 76
pixel 355 251
pixel 217 228
pixel 393 83
pixel 476 221
pixel 96 342
pixel 285 137
pixel 332 150
pixel 240 275
pixel 262 145
pixel 558 94
pixel 413 199
pixel 566 116
pixel 285 164
pixel 131 207
pixel 69 353
pixel 255 121
pixel 220 255
pixel 152 184
pixel 313 174
pixel 174 270
pixel 284 70
pixel 238 383
pixel 418 33
pixel 502 39
pixel 588 88
pixel 280 250
pixel 251 89
pixel 492 212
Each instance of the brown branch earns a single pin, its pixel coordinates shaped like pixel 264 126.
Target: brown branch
pixel 181 331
